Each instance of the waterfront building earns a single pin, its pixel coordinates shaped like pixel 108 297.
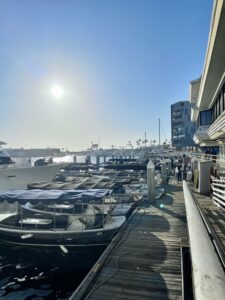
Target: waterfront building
pixel 182 128
pixel 207 94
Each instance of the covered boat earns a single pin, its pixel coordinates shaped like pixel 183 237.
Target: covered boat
pixel 43 228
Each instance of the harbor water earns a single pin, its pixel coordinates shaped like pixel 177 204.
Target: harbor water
pixel 30 273
pixel 42 273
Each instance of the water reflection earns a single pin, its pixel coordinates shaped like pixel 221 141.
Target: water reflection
pixel 43 274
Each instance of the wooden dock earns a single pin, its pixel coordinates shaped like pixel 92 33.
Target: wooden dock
pixel 144 260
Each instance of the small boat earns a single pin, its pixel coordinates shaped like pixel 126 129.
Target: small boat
pixel 51 229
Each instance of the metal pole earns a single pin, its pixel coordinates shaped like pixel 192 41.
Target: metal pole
pixel 145 139
pixel 159 133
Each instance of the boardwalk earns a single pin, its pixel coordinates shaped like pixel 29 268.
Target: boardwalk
pixel 145 262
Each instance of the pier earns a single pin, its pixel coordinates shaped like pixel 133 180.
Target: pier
pixel 144 261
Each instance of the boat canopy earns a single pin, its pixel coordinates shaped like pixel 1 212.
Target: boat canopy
pixel 53 196
pixel 80 184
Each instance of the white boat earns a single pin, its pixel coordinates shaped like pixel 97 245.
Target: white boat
pixel 19 178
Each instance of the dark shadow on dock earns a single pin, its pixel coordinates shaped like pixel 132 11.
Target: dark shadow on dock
pixel 133 268
pixel 168 199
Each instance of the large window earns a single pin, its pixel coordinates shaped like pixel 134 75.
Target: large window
pixel 219 105
pixel 221 102
pixel 205 117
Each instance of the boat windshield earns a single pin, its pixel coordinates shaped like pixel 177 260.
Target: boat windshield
pixel 3 153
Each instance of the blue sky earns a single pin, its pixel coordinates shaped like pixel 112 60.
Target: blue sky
pixel 121 64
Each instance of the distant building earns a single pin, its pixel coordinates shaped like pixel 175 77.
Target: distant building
pixel 208 92
pixel 182 128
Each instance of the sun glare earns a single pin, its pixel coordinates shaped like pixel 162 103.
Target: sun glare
pixel 57 91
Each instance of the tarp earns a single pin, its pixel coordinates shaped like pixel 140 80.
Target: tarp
pixel 56 196
pixel 87 185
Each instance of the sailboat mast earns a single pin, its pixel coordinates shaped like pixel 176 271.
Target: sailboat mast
pixel 159 132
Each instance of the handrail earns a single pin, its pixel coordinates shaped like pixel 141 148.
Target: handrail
pixel 208 274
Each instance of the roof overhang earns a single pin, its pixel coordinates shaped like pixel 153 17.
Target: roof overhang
pixel 201 134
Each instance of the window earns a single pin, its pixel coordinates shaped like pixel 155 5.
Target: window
pixel 205 117
pixel 221 102
pixel 217 108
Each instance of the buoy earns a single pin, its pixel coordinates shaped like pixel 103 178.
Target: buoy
pixel 27 236
pixel 64 249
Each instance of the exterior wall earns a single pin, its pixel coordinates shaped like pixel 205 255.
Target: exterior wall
pixel 182 129
pixel 209 111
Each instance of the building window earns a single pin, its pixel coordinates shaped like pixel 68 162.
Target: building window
pixel 218 107
pixel 205 117
pixel 221 102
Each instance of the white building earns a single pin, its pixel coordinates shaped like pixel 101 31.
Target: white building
pixel 207 94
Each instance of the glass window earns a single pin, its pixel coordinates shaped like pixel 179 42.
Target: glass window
pixel 221 102
pixel 214 112
pixel 205 117
pixel 217 108
pixel 223 93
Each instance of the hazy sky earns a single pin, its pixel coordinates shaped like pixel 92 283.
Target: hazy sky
pixel 121 63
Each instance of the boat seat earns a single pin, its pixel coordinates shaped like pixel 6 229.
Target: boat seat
pixel 74 224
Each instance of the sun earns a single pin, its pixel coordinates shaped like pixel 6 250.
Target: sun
pixel 57 91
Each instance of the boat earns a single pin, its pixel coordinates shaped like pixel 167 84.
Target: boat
pixel 5 159
pixel 18 178
pixel 48 229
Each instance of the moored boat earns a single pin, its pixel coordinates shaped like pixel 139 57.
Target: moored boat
pixel 47 229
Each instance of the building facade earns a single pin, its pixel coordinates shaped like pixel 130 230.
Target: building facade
pixel 207 94
pixel 182 128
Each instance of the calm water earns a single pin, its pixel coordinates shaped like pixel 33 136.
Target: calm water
pixel 41 274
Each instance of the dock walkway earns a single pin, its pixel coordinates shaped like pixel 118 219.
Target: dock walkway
pixel 144 261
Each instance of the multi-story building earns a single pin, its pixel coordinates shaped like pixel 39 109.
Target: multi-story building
pixel 182 128
pixel 207 95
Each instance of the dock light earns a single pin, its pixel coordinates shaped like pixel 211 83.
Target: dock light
pixel 161 205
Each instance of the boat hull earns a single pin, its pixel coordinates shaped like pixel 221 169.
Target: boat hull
pixel 18 178
pixel 56 239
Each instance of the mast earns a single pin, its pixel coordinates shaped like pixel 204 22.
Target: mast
pixel 145 139
pixel 159 131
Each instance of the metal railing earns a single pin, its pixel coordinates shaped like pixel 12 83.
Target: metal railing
pixel 208 274
pixel 218 187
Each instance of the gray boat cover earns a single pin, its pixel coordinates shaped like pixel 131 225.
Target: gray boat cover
pixel 53 196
